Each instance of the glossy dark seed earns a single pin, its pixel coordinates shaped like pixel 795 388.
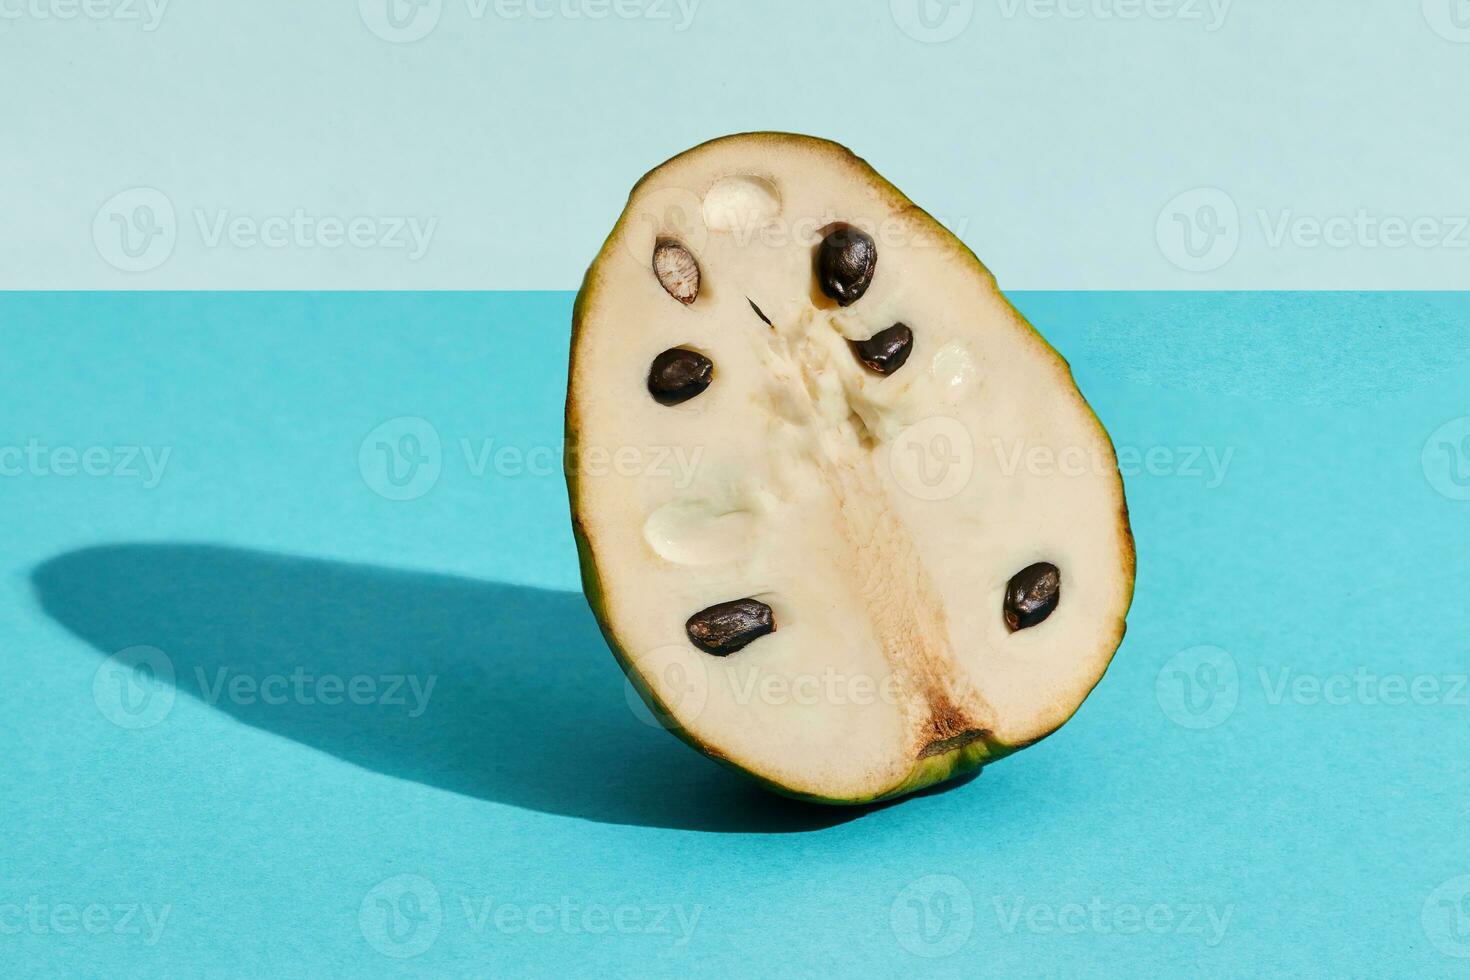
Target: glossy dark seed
pixel 730 626
pixel 678 375
pixel 887 350
pixel 1032 595
pixel 846 261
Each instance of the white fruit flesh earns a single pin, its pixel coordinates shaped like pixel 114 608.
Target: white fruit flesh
pixel 880 517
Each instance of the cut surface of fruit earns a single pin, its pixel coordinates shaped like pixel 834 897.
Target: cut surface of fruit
pixel 844 517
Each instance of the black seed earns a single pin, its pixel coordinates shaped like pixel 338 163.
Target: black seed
pixel 765 319
pixel 730 626
pixel 678 375
pixel 1032 595
pixel 887 350
pixel 845 264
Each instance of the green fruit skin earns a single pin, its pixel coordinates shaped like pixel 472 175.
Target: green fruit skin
pixel 925 772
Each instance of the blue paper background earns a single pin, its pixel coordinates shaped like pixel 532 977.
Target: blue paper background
pixel 532 803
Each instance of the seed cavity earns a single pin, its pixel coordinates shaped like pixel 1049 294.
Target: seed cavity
pixel 764 319
pixel 1032 595
pixel 677 271
pixel 887 350
pixel 679 374
pixel 741 203
pixel 701 531
pixel 730 626
pixel 846 260
pixel 953 369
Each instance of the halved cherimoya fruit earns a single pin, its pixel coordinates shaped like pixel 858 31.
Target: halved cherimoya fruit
pixel 844 517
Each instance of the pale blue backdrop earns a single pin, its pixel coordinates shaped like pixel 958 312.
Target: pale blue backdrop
pixel 1063 139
